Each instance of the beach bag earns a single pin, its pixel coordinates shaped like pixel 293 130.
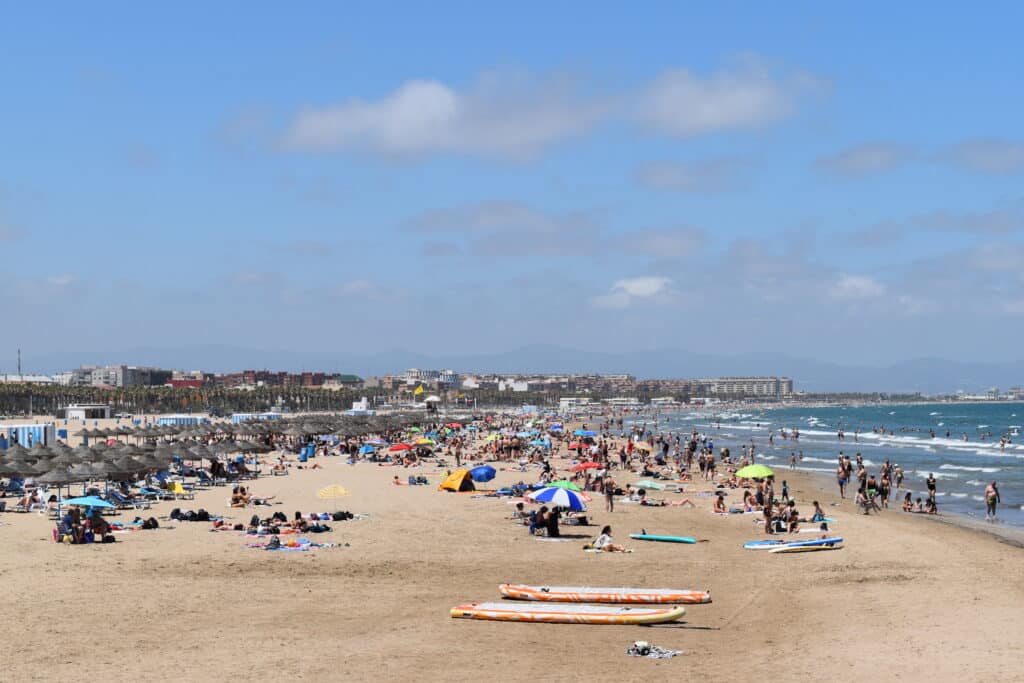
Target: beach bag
pixel 239 527
pixel 108 538
pixel 255 520
pixel 338 516
pixel 279 516
pixel 150 523
pixel 176 513
pixel 202 515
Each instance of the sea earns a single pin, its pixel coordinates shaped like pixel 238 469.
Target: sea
pixel 957 442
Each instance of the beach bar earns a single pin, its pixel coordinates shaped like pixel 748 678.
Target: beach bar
pixel 28 435
pixel 246 417
pixel 182 420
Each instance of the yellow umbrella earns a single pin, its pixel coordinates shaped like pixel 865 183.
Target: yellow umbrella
pixel 332 492
pixel 425 442
pixel 493 437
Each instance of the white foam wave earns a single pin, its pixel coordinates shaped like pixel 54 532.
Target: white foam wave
pixel 938 475
pixel 964 468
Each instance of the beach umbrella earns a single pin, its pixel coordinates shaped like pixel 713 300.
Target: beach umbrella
pixel 566 484
pixel 401 447
pixel 454 425
pixel 584 432
pixel 89 502
pixel 539 442
pixel 40 451
pixel 641 446
pixel 755 472
pixel 586 466
pixel 425 442
pixel 576 444
pixel 332 492
pixel 482 473
pixel 561 497
pixel 366 450
pixel 58 475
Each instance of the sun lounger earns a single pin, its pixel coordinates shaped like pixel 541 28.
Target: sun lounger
pixel 125 503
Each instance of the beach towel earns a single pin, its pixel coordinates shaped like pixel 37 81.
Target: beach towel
pixel 300 547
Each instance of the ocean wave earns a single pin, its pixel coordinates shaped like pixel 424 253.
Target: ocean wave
pixel 938 475
pixel 975 482
pixel 958 495
pixel 968 469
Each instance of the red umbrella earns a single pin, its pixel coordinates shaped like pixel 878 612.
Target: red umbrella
pixel 454 425
pixel 586 466
pixel 576 444
pixel 401 447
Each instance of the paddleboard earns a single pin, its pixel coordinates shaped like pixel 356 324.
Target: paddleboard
pixel 835 540
pixel 560 613
pixel 765 544
pixel 635 596
pixel 663 539
pixel 794 548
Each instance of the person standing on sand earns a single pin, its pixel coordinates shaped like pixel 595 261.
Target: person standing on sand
pixel 841 480
pixel 991 500
pixel 767 516
pixel 930 483
pixel 609 494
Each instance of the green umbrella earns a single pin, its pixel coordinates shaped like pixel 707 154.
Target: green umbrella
pixel 566 484
pixel 755 472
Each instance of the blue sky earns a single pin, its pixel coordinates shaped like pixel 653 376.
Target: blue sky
pixel 840 183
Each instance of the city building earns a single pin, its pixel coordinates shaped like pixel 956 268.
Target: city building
pixel 746 387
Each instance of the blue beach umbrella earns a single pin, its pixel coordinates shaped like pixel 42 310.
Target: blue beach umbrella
pixel 555 428
pixel 482 473
pixel 584 432
pixel 540 442
pixel 88 501
pixel 366 450
pixel 561 497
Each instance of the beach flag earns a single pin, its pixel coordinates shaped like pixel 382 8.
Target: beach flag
pixel 419 390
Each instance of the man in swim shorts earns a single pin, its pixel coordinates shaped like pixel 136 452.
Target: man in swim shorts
pixel 991 500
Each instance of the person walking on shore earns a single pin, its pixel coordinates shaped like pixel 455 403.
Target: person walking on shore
pixel 930 483
pixel 841 480
pixel 991 500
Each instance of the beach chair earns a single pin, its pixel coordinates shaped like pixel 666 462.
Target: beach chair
pixel 125 503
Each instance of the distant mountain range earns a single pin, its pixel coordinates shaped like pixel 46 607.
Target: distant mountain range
pixel 927 375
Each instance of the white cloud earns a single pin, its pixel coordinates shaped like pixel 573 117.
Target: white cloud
pixel 363 289
pixel 748 95
pixel 62 280
pixel 872 157
pixel 516 115
pixel 716 175
pixel 501 115
pixel 849 287
pixel 627 291
pixel 988 155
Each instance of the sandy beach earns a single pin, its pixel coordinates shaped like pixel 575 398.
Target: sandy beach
pixel 907 595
